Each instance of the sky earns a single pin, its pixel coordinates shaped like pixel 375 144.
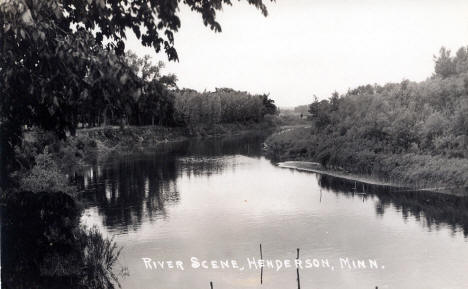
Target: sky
pixel 314 47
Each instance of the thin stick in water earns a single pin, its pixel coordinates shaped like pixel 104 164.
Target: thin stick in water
pixel 261 269
pixel 297 271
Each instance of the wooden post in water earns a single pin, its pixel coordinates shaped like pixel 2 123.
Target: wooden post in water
pixel 261 269
pixel 211 284
pixel 297 271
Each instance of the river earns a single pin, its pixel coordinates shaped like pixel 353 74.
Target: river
pixel 219 199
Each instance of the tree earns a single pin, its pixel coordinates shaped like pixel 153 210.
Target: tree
pixel 59 54
pixel 269 105
pixel 461 60
pixel 225 105
pixel 444 64
pixel 155 102
pixel 319 111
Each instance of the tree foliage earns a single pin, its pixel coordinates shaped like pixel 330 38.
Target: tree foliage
pixel 396 129
pixel 61 57
pixel 427 117
pixel 224 105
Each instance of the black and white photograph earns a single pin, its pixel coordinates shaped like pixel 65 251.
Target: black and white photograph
pixel 234 144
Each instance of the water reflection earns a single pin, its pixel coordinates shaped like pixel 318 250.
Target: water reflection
pixel 220 199
pixel 128 190
pixel 428 208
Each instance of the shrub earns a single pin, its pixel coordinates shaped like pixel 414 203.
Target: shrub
pixel 45 176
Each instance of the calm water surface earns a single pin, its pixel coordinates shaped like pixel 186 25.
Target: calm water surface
pixel 219 199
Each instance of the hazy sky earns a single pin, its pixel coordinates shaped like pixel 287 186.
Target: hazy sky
pixel 307 47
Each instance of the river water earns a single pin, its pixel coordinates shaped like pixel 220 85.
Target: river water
pixel 219 199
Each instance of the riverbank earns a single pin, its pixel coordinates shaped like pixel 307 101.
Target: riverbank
pixel 47 163
pixel 314 167
pixel 130 139
pixel 319 169
pixel 298 148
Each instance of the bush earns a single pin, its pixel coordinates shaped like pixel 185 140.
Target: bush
pixel 100 256
pixel 45 175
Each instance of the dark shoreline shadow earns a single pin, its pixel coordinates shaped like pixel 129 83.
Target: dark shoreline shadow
pixel 44 246
pixel 434 208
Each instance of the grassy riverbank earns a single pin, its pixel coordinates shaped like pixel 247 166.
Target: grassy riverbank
pixel 47 162
pixel 408 169
pixel 366 179
pixel 411 134
pixel 139 137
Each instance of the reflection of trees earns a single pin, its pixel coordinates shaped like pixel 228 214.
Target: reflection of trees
pixel 130 188
pixel 43 245
pixel 248 145
pixel 430 208
pixel 199 166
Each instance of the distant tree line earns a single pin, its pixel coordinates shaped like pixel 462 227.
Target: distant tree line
pixel 303 109
pixel 224 105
